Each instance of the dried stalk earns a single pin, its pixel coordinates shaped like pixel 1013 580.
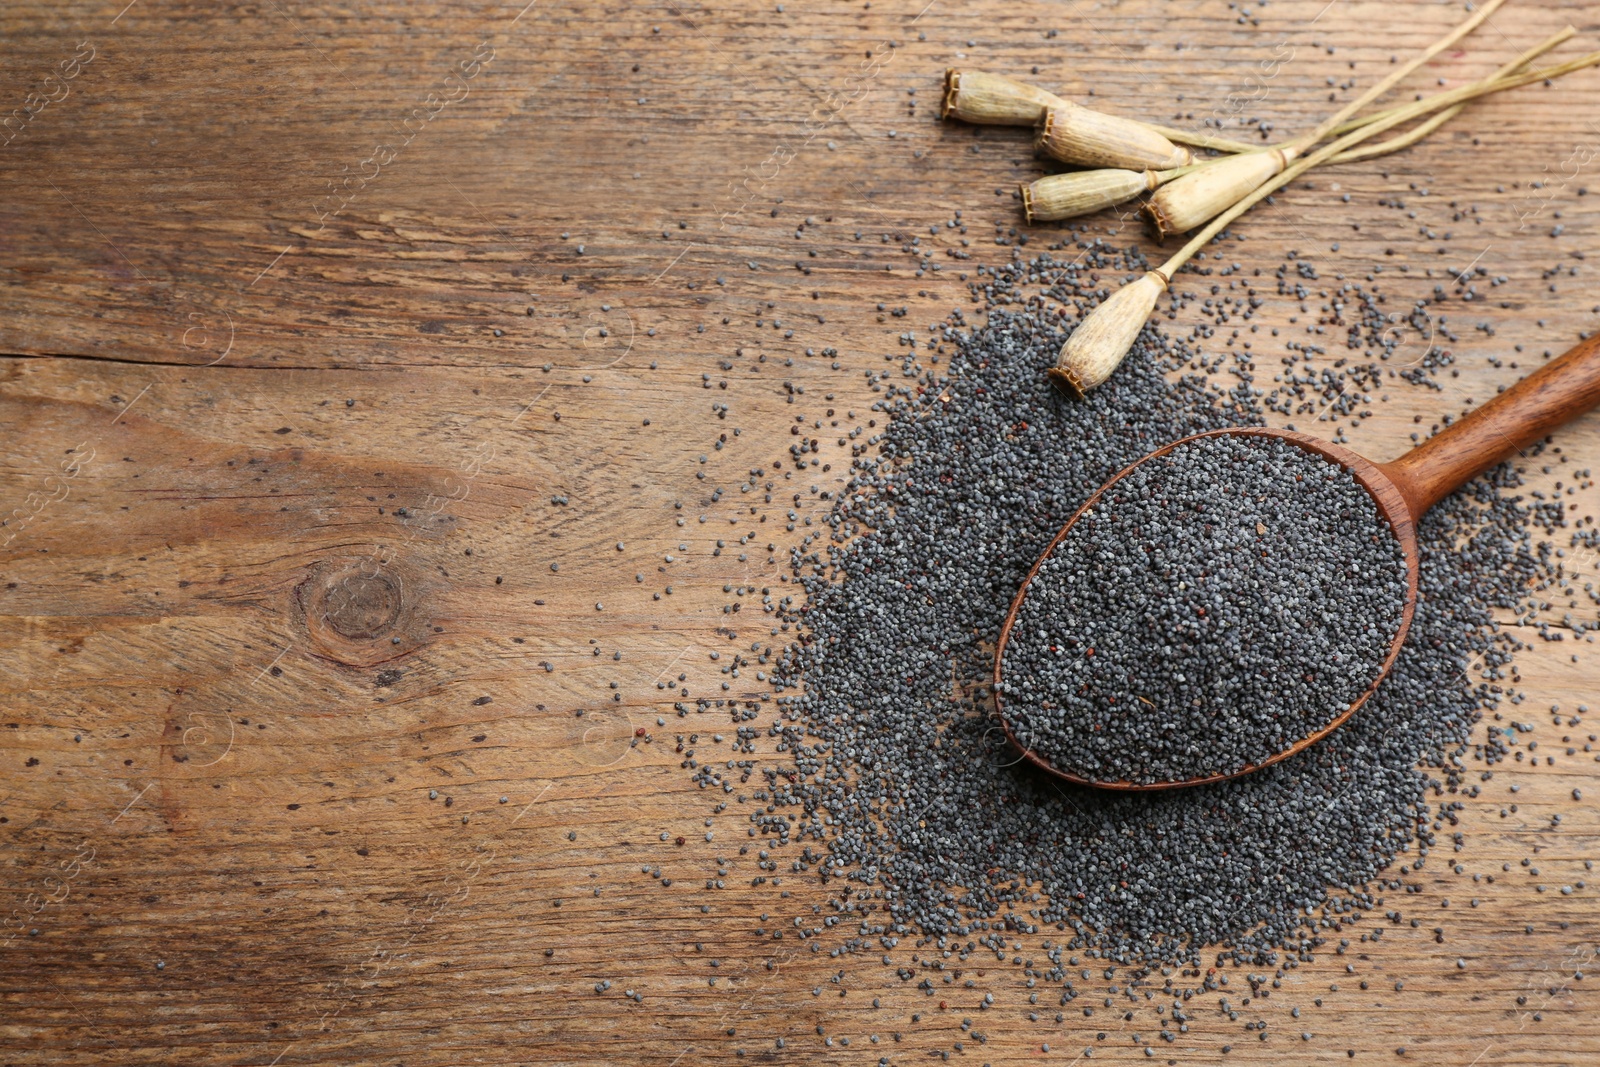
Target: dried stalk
pixel 1196 197
pixel 1394 78
pixel 1228 144
pixel 1410 137
pixel 1213 187
pixel 1063 196
pixel 1203 140
pixel 1084 364
pixel 1322 155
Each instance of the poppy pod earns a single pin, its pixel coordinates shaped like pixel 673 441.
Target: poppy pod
pixel 1106 334
pixel 1066 196
pixel 1208 191
pixel 993 99
pixel 1075 134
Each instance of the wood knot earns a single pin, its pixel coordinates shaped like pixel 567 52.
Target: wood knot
pixel 363 606
pixel 359 611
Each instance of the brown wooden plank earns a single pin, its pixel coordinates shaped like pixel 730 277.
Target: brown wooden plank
pixel 234 756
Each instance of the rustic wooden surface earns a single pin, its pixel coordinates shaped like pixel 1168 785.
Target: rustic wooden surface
pixel 280 454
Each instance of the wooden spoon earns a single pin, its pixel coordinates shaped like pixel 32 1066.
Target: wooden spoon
pixel 1404 489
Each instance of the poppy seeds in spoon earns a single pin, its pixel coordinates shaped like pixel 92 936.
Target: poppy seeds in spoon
pixel 1220 602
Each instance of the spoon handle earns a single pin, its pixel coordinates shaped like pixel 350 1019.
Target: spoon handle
pixel 1556 393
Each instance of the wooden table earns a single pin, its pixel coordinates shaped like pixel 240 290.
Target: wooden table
pixel 333 331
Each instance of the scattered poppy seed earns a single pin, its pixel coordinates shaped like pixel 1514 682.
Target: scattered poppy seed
pixel 895 772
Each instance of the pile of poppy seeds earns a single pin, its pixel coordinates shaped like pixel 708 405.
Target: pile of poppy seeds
pixel 1218 603
pixel 890 776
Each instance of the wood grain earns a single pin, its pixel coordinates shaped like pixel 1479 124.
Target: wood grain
pixel 291 485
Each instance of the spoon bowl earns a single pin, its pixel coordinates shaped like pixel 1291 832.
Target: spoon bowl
pixel 1403 490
